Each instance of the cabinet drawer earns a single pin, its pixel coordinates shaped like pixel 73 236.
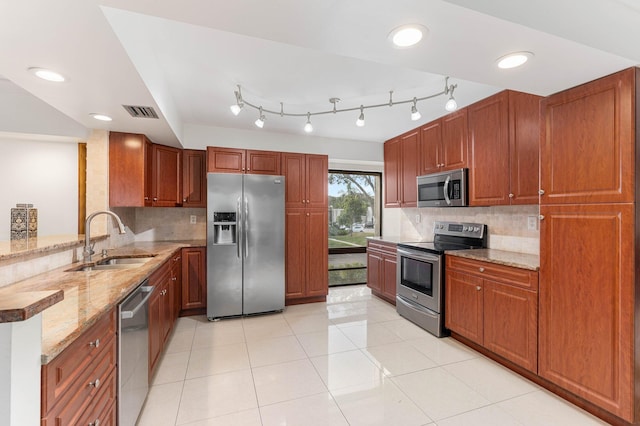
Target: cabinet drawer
pixel 81 394
pixel 61 373
pixel 505 274
pixel 383 247
pixel 101 411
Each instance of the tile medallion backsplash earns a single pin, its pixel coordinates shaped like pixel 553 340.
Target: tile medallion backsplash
pixel 24 222
pixel 507 225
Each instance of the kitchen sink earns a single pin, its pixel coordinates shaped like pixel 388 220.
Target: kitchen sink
pixel 113 264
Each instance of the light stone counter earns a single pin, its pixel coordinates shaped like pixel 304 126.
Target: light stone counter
pixel 501 257
pixel 87 295
pixel 388 239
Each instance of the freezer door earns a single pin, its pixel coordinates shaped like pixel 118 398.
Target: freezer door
pixel 224 258
pixel 263 219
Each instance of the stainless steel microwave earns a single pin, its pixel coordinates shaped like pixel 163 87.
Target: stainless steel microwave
pixel 444 189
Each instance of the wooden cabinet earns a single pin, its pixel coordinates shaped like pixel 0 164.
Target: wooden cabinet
pixel 587 153
pixel 232 160
pixel 306 255
pixel 176 284
pixel 194 178
pixel 401 163
pixel 194 280
pixel 306 180
pixel 503 149
pixel 587 302
pixel 495 306
pixel 161 312
pixel 443 144
pixel 381 269
pixel 80 383
pixel 143 174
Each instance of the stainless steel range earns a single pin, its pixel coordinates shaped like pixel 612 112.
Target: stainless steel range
pixel 420 272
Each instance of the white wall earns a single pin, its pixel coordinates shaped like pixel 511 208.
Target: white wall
pixel 45 174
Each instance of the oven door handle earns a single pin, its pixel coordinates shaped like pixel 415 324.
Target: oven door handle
pixel 446 190
pixel 420 256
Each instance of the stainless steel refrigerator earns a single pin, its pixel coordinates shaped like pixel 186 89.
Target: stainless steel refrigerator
pixel 245 244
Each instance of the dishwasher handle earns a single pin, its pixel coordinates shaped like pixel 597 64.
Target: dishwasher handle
pixel 143 289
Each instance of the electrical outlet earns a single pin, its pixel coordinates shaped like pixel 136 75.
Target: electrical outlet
pixel 418 218
pixel 192 219
pixel 532 223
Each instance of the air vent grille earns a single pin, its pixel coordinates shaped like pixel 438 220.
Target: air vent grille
pixel 141 111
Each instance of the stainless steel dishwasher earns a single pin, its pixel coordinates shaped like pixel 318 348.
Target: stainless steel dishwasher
pixel 133 353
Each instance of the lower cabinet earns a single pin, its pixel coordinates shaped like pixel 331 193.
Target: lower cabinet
pixel 194 280
pixel 495 306
pixel 79 385
pixel 176 285
pixel 161 312
pixel 381 269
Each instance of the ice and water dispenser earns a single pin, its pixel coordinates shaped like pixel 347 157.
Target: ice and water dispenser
pixel 224 227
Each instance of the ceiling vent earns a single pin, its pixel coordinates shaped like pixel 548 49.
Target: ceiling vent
pixel 141 111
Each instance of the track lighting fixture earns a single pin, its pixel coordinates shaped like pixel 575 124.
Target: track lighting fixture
pixel 415 114
pixel 308 127
pixel 360 120
pixel 260 121
pixel 451 105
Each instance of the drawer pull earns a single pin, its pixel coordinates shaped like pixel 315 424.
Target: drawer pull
pixel 481 269
pixel 95 343
pixel 95 423
pixel 95 384
pixel 478 288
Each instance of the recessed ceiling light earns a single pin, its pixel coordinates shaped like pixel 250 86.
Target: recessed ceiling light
pixel 101 117
pixel 46 74
pixel 513 60
pixel 407 35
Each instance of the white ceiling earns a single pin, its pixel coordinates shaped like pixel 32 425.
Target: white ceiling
pixel 185 58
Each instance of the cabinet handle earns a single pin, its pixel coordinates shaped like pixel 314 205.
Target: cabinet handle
pixel 95 384
pixel 95 343
pixel 184 200
pixel 307 201
pixel 541 191
pixel 146 198
pixel 478 288
pixel 173 278
pixel 96 422
pixel 308 214
pixel 155 198
pixel 481 269
pixel 541 217
pixel 510 195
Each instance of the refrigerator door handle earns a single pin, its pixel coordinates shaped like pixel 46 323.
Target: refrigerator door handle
pixel 237 227
pixel 246 228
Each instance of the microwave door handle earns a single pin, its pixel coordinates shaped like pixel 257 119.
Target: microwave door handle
pixel 446 190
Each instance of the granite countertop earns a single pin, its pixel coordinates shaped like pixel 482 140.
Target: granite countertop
pixel 501 257
pixel 16 249
pixel 388 239
pixel 87 295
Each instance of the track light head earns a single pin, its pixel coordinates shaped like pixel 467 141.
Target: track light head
pixel 260 121
pixel 237 107
pixel 308 127
pixel 415 114
pixel 360 120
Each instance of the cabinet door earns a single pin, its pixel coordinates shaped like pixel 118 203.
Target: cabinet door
pixel 524 147
pixel 176 278
pixel 392 173
pixel 167 176
pixel 148 174
pixel 317 252
pixel 409 160
pixel 166 308
pixel 463 313
pixel 317 181
pixel 194 283
pixel 587 151
pixel 374 270
pixel 295 249
pixel 511 323
pixel 489 151
pixel 194 178
pixel 389 278
pixel 155 329
pixel 263 162
pixel 454 140
pixel 587 302
pixel 225 160
pixel 294 169
pixel 430 148
pixel 127 170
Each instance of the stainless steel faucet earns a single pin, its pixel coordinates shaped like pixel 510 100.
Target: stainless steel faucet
pixel 88 247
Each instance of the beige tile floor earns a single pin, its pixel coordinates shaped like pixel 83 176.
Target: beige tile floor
pixel 350 361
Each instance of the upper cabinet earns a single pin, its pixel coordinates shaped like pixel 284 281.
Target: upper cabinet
pixel 194 178
pixel 401 162
pixel 587 148
pixel 306 180
pixel 232 160
pixel 443 144
pixel 503 149
pixel 143 174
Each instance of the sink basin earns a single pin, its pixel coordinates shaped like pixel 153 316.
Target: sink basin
pixel 125 261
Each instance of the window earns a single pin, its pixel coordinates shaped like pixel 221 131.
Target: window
pixel 354 215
